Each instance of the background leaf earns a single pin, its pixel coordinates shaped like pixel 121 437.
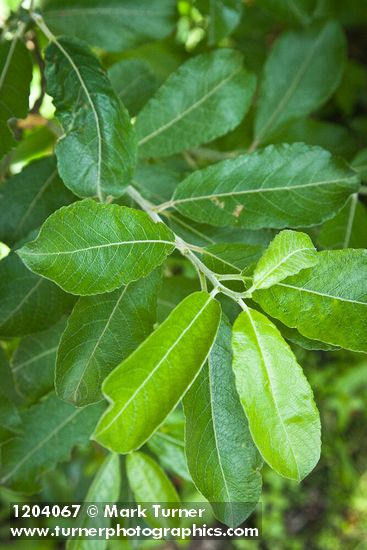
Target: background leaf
pixel 51 429
pixel 301 73
pixel 110 24
pixel 102 331
pixel 15 80
pixel 91 248
pixel 284 426
pixel 105 487
pixel 205 98
pixel 29 197
pixel 146 387
pixel 28 303
pixel 96 156
pixel 149 483
pixel 134 83
pixel 33 362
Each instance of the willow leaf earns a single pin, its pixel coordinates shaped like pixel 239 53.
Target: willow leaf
pixel 15 80
pixel 324 299
pixel 105 487
pixel 91 248
pixel 287 254
pixel 149 483
pixel 96 156
pixel 29 197
pixel 278 187
pixel 205 98
pixel 28 303
pixel 277 399
pixel 111 24
pixel 52 428
pixel 303 70
pixel 222 458
pixel 102 331
pixel 33 362
pixel 146 387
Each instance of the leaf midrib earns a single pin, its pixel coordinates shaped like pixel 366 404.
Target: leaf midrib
pixel 98 246
pixel 318 293
pixel 281 262
pixel 259 190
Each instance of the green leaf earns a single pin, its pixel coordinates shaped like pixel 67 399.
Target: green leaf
pixel 348 229
pixel 359 163
pixel 105 487
pixel 133 82
pixel 33 362
pixel 97 154
pixel 277 399
pixel 147 386
pixel 322 301
pixel 278 187
pixel 101 332
pixel 29 197
pixel 296 11
pixel 223 16
pixel 222 459
pixel 52 428
pixel 287 254
pixel 190 109
pixel 83 260
pixel 149 483
pixel 15 80
pixel 28 303
pixel 111 24
pixel 10 420
pixel 302 72
pixel 169 446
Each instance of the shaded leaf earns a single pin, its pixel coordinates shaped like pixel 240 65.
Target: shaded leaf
pixel 33 362
pixel 146 387
pixel 133 82
pixel 96 156
pixel 348 229
pixel 105 487
pixel 91 248
pixel 149 483
pixel 169 446
pixel 223 17
pixel 28 303
pixel 222 458
pixel 29 197
pixel 102 331
pixel 302 71
pixel 51 429
pixel 15 80
pixel 205 98
pixel 111 24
